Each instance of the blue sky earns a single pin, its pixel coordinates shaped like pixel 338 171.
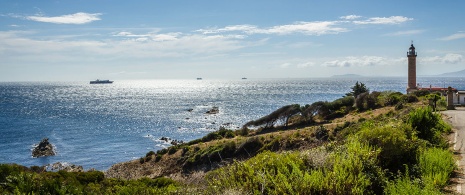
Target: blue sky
pixel 80 40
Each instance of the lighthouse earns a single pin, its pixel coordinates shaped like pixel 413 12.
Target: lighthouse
pixel 412 69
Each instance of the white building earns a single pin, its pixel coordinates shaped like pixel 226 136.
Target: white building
pixel 459 98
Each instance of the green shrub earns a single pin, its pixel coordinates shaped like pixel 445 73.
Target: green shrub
pixel 429 125
pixel 396 142
pixel 399 106
pixel 409 98
pixel 158 182
pixel 90 177
pixel 355 170
pixel 158 157
pixel 266 173
pixel 150 153
pixel 405 186
pixel 244 131
pixel 436 166
pixel 172 150
pixel 322 133
pixel 361 101
pixel 394 98
pixel 350 169
pixel 162 151
pixel 421 93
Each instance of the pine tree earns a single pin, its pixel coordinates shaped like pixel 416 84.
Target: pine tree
pixel 358 89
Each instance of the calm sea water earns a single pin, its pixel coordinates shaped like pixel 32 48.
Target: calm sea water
pixel 99 125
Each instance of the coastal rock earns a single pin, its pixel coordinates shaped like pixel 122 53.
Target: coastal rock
pixel 58 166
pixel 172 141
pixel 214 110
pixel 44 148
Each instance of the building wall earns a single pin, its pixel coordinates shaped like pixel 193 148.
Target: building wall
pixel 459 98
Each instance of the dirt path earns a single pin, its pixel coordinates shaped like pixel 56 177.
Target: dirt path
pixel 457 119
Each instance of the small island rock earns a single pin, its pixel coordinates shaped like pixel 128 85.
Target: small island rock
pixel 43 149
pixel 214 110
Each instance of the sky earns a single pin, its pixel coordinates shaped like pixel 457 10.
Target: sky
pixel 81 40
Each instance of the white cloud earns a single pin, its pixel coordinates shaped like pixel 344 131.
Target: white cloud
pixel 165 37
pixel 124 34
pixel 150 36
pixel 77 18
pixel 404 33
pixel 143 47
pixel 305 65
pixel 454 37
pixel 384 20
pixel 308 28
pixel 350 17
pixel 356 61
pixel 248 29
pixel 450 58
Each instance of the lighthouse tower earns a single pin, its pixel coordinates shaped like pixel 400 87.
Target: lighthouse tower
pixel 412 69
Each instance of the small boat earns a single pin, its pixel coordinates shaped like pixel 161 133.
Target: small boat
pixel 199 78
pixel 244 78
pixel 101 82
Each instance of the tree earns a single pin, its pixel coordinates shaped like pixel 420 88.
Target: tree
pixel 434 98
pixel 358 89
pixel 283 113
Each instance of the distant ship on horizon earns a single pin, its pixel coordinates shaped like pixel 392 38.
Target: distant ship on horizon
pixel 98 81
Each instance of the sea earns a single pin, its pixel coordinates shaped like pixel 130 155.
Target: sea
pixel 99 125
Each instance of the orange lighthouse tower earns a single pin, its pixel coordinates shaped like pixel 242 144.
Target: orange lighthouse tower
pixel 412 69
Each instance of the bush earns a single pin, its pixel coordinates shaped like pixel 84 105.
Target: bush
pixel 436 166
pixel 158 157
pixel 421 93
pixel 322 133
pixel 404 185
pixel 350 169
pixel 394 98
pixel 150 153
pixel 396 143
pixel 244 131
pixel 428 125
pixel 409 98
pixel 172 150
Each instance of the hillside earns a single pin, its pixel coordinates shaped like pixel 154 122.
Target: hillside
pixel 175 165
pixel 453 74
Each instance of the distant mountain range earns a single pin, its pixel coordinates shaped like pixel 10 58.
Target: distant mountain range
pixel 460 73
pixel 453 74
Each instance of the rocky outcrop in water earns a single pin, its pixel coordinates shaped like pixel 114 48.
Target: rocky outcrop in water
pixel 214 110
pixel 44 148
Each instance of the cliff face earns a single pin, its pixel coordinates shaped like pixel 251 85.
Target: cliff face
pixel 43 149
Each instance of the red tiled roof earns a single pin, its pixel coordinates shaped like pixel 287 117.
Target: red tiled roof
pixel 436 89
